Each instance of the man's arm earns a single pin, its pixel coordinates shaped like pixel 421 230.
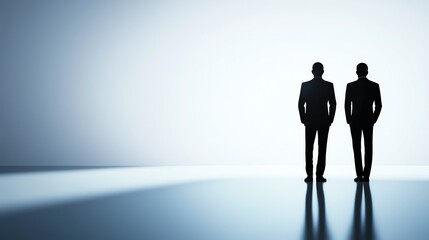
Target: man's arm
pixel 378 104
pixel 348 105
pixel 332 104
pixel 301 102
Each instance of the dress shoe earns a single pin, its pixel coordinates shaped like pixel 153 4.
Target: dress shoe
pixel 308 179
pixel 320 179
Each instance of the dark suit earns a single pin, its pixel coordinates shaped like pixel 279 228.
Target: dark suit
pixel 316 94
pixel 360 98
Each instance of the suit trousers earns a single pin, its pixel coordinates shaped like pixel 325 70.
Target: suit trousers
pixel 356 132
pixel 310 135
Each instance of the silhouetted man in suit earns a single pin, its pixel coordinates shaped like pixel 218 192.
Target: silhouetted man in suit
pixel 315 95
pixel 360 98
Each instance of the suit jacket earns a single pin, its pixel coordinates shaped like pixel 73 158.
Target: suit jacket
pixel 316 94
pixel 360 98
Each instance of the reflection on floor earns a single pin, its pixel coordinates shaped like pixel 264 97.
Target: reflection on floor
pixel 209 203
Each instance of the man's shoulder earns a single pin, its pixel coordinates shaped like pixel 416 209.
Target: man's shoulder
pixel 352 84
pixel 306 84
pixel 328 83
pixel 316 81
pixel 372 83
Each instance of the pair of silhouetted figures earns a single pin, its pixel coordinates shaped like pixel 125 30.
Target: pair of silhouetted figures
pixel 359 230
pixel 313 102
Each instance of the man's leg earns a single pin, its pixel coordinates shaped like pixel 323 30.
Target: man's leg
pixel 367 137
pixel 356 139
pixel 310 134
pixel 323 141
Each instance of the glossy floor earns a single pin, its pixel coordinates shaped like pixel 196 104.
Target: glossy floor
pixel 209 203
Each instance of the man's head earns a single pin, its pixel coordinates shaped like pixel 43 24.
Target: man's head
pixel 362 70
pixel 317 69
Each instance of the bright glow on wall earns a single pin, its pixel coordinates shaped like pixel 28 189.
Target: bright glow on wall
pixel 202 82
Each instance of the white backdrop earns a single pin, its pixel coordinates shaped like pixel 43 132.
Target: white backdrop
pixel 203 82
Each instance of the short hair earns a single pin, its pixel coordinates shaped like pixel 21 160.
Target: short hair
pixel 362 69
pixel 317 69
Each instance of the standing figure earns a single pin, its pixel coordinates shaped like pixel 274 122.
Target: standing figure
pixel 317 118
pixel 361 116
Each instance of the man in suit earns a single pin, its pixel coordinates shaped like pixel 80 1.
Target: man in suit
pixel 360 98
pixel 315 95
